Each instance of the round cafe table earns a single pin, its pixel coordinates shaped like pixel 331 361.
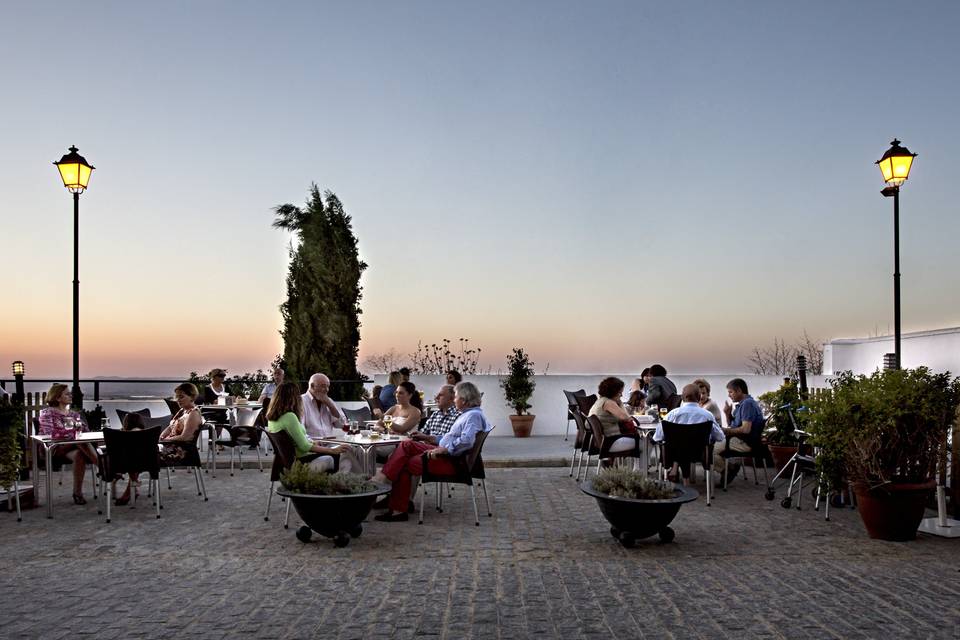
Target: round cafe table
pixel 367 445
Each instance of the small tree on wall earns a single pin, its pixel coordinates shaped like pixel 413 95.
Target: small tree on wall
pixel 321 316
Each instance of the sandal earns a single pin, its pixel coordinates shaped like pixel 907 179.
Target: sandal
pixel 79 499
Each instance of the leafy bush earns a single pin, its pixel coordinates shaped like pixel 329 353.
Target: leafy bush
pixel 519 384
pixel 779 403
pixel 302 478
pixel 890 426
pixel 626 483
pixel 248 385
pixel 11 424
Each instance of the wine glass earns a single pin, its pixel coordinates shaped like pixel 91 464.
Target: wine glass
pixel 388 421
pixel 346 427
pixel 663 413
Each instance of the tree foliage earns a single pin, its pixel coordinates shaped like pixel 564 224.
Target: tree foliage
pixel 781 358
pixel 518 385
pixel 321 316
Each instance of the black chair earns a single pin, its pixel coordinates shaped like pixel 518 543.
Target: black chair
pixel 571 407
pixel 686 445
pixel 121 414
pixel 191 460
pixel 360 415
pixel 172 406
pixel 759 453
pixel 130 452
pixel 468 467
pixel 284 455
pixel 584 444
pixel 240 437
pixel 605 442
pixel 374 405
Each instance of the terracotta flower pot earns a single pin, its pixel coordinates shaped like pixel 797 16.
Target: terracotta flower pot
pixel 893 511
pixel 522 425
pixel 781 454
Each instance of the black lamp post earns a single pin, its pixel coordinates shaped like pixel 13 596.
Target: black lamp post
pixel 18 371
pixel 895 166
pixel 75 173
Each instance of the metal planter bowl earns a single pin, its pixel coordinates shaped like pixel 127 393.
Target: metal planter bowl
pixel 631 519
pixel 334 516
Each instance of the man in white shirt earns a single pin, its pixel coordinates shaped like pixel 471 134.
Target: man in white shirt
pixel 321 415
pixel 690 412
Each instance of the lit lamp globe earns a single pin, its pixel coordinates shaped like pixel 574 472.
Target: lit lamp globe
pixel 74 171
pixel 18 367
pixel 895 164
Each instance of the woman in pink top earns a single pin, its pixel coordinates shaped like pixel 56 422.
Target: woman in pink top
pixel 52 424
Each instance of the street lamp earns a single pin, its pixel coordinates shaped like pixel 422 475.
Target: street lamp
pixel 895 167
pixel 18 371
pixel 75 172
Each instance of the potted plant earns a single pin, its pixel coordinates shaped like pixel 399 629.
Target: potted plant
pixel 518 387
pixel 333 505
pixel 780 404
pixel 885 433
pixel 636 506
pixel 10 428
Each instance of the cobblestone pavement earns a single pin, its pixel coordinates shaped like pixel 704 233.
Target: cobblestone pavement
pixel 544 566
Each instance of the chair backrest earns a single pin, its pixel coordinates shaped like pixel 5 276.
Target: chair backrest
pixel 373 404
pixel 361 414
pixel 686 442
pixel 473 456
pixel 133 451
pixel 246 417
pixel 121 414
pixel 172 406
pixel 571 397
pixel 596 428
pixel 585 403
pixel 284 449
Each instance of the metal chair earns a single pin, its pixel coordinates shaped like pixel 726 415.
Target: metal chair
pixel 571 408
pixel 284 455
pixel 191 460
pixel 605 442
pixel 688 444
pixel 469 467
pixel 585 445
pixel 126 452
pixel 360 415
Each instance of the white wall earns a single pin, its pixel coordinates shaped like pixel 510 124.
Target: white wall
pixel 939 350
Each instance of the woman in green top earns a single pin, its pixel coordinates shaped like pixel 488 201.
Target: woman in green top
pixel 284 414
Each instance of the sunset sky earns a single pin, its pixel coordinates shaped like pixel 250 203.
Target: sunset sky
pixel 605 184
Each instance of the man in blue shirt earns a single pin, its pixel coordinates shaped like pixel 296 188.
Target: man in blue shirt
pixel 690 412
pixel 745 425
pixel 407 460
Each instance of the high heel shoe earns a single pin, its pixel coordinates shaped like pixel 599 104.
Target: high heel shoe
pixel 79 499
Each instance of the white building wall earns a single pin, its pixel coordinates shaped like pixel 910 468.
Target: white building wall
pixel 938 349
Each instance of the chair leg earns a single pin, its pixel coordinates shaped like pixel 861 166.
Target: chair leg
pixel 159 504
pixel 259 461
pixel 231 461
pixel 726 472
pixel 169 486
pixel 109 499
pixel 573 460
pixel 203 486
pixel 486 498
pixel 240 456
pixel 266 514
pixel 566 433
pixel 439 497
pixel 286 516
pixel 423 495
pixel 473 497
pixel 16 494
pixel 706 472
pixel 756 480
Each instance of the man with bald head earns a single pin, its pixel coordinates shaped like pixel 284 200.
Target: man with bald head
pixel 690 412
pixel 321 415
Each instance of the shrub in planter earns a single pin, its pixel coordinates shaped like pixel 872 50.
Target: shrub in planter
pixel 11 425
pixel 780 403
pixel 635 506
pixel 333 505
pixel 518 387
pixel 885 433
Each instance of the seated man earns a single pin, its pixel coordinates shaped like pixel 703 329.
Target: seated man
pixel 321 415
pixel 440 421
pixel 745 425
pixel 407 460
pixel 690 412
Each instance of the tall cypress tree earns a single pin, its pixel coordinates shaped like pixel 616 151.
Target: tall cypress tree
pixel 321 323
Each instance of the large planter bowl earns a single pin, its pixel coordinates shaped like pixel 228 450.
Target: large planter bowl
pixel 631 519
pixel 336 517
pixel 522 425
pixel 893 511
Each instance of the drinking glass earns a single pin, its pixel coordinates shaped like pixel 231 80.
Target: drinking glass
pixel 663 413
pixel 346 426
pixel 388 421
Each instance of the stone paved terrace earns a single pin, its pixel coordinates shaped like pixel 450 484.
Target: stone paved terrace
pixel 543 567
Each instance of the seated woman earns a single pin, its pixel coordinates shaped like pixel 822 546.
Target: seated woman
pixel 609 411
pixel 453 377
pixel 408 410
pixel 51 420
pixel 211 396
pixel 131 422
pixel 407 460
pixel 285 413
pixel 183 425
pixel 636 401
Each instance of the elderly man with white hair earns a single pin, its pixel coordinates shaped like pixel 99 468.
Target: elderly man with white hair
pixel 407 460
pixel 321 415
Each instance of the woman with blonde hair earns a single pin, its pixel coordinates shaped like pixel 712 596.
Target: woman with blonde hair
pixel 285 414
pixel 183 425
pixel 52 420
